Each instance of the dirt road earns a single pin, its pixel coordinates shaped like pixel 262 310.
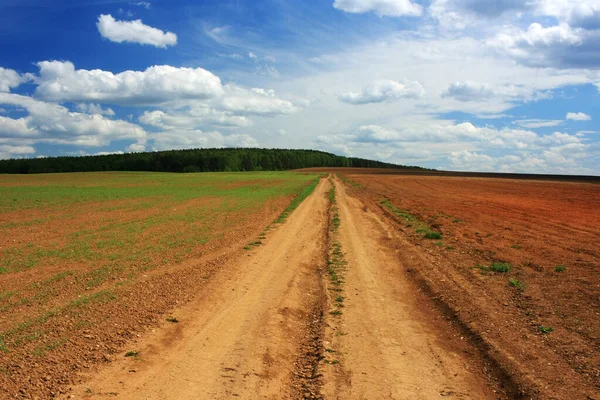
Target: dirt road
pixel 388 350
pixel 253 332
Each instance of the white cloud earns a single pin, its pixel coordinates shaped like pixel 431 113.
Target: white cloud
pixel 220 34
pixel 256 101
pixel 52 123
pixel 15 128
pixel 384 90
pixel 94 109
pixel 193 118
pixel 392 8
pixel 144 4
pixel 9 79
pixel 134 32
pixel 493 116
pixel 59 81
pixel 578 116
pixel 13 151
pixel 584 14
pixel 560 46
pixel 188 139
pixel 538 123
pixel 465 147
pixel 468 91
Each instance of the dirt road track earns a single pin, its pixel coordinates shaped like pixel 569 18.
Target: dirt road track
pixel 244 335
pixel 249 333
pixel 388 350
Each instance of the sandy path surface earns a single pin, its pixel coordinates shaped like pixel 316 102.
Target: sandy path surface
pixel 242 338
pixel 387 350
pixel 246 334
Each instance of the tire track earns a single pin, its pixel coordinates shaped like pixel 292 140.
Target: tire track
pixel 389 350
pixel 254 332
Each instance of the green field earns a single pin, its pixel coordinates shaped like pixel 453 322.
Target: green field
pixel 69 240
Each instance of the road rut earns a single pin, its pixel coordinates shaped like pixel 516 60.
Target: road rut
pixel 248 333
pixel 243 337
pixel 386 348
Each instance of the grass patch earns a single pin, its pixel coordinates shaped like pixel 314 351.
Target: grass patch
pixel 433 235
pixel 131 353
pixel 560 268
pixel 545 329
pixel 351 183
pixel 501 267
pixel 172 320
pixel 517 284
pixel 419 226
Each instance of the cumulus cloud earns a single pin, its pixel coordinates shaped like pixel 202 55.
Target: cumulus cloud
pixel 384 90
pixel 9 79
pixel 193 118
pixel 94 109
pixel 256 101
pixel 560 46
pixel 14 151
pixel 577 13
pixel 134 32
pixel 392 8
pixel 468 91
pixel 52 123
pixel 59 81
pixel 465 147
pixel 578 116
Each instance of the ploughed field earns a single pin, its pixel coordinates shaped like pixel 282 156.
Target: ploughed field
pixel 517 261
pixel 294 285
pixel 88 259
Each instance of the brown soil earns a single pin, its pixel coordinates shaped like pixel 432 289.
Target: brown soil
pixel 392 346
pixel 535 226
pixel 246 335
pixel 417 320
pixel 257 330
pixel 58 326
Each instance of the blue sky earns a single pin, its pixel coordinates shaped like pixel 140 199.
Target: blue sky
pixel 475 85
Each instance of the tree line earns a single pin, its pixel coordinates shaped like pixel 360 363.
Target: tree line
pixel 193 160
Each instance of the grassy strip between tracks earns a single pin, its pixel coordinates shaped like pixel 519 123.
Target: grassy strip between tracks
pixel 336 268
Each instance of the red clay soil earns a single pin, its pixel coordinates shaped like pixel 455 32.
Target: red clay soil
pixel 536 227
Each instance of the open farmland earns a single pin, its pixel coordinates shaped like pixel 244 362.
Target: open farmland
pixel 376 286
pixel 516 261
pixel 98 255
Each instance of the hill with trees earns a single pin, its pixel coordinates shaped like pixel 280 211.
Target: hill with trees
pixel 194 160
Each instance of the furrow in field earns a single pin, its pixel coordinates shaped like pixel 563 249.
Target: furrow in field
pixel 252 333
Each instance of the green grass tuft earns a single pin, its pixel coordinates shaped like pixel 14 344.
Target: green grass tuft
pixel 433 235
pixel 502 267
pixel 517 284
pixel 545 329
